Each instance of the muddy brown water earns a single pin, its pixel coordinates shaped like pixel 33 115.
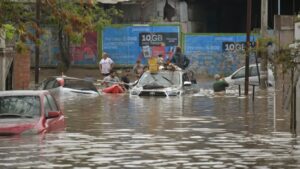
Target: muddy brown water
pixel 192 131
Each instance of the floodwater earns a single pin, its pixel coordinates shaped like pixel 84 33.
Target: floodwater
pixel 193 131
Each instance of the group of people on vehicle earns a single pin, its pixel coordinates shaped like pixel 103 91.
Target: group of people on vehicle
pixel 106 66
pixel 180 60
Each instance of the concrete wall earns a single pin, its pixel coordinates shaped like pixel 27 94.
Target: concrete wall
pixel 284 30
pixel 6 58
pixel 152 11
pixel 297 30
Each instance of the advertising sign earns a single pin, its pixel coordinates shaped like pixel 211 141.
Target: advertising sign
pixel 236 46
pixel 157 39
pixel 217 53
pixel 127 44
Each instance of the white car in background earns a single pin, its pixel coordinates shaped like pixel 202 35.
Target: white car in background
pixel 238 77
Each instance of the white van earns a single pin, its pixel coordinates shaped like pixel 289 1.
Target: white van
pixel 238 77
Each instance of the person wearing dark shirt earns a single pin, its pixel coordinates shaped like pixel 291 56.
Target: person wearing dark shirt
pixel 220 84
pixel 180 59
pixel 125 79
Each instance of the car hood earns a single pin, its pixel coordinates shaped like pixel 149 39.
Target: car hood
pixel 228 79
pixel 159 91
pixel 16 126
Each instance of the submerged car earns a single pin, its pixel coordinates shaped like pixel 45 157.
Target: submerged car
pixel 164 83
pixel 29 112
pixel 69 84
pixel 238 77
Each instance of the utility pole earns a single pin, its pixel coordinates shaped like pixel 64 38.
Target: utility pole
pixel 248 31
pixel 37 47
pixel 263 45
pixel 279 6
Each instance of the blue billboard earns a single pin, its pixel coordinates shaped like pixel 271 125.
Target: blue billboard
pixel 127 44
pixel 214 53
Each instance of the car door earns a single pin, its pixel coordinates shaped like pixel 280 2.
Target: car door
pixel 52 123
pixel 253 75
pixel 239 77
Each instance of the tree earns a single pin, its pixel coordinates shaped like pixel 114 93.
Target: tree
pixel 72 19
pixel 17 18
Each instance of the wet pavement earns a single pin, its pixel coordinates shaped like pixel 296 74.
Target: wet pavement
pixel 192 131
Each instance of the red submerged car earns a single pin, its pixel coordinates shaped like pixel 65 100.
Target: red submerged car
pixel 26 111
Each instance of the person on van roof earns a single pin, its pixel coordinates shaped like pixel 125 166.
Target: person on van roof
pixel 180 59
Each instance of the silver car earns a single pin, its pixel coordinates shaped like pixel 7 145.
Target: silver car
pixel 164 83
pixel 238 77
pixel 64 85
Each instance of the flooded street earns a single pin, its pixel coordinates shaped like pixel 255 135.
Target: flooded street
pixel 193 131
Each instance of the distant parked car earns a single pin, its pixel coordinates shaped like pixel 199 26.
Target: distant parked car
pixel 68 84
pixel 238 77
pixel 29 112
pixel 164 83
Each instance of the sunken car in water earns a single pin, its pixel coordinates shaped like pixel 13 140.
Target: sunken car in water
pixel 57 84
pixel 165 83
pixel 29 112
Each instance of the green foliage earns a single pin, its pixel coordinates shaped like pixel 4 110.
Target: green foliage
pixel 78 18
pixel 76 38
pixel 72 19
pixel 262 43
pixel 9 31
pixel 286 57
pixel 21 47
pixel 18 20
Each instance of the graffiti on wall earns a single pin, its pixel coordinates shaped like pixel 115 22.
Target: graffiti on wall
pixel 80 54
pixel 49 49
pixel 86 52
pixel 211 54
pixel 127 44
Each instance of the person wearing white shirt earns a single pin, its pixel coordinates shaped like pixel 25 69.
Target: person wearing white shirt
pixel 105 64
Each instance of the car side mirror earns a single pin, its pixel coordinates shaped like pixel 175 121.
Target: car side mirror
pixel 52 114
pixel 187 83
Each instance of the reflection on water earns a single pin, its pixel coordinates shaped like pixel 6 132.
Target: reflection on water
pixel 122 131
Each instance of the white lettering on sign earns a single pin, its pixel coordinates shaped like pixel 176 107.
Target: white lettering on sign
pixel 236 46
pixel 151 37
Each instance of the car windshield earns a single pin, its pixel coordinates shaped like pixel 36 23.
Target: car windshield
pixel 19 106
pixel 80 84
pixel 164 78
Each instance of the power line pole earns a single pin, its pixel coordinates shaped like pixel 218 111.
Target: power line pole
pixel 263 47
pixel 248 31
pixel 37 47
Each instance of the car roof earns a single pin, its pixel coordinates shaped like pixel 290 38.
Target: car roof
pixel 23 93
pixel 64 77
pixel 258 64
pixel 179 71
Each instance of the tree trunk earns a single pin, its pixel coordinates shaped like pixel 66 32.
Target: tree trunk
pixel 64 51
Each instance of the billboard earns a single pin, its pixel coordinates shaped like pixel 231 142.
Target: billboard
pixel 217 53
pixel 127 44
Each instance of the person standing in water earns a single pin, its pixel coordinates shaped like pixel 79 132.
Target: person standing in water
pixel 220 84
pixel 105 65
